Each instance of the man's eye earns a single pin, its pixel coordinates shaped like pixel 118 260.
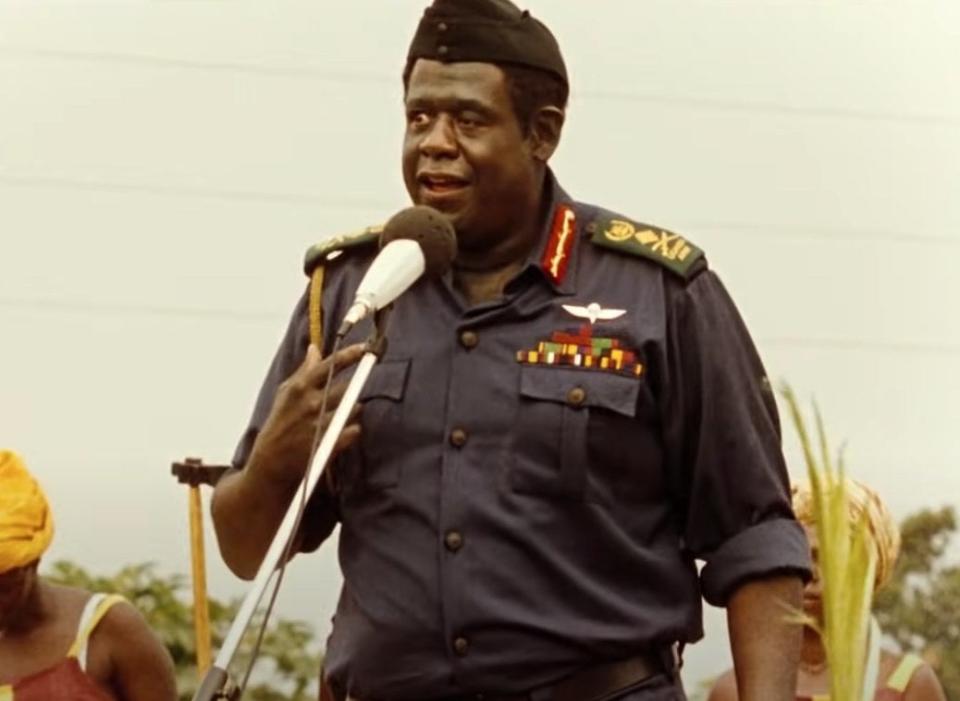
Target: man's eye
pixel 469 120
pixel 417 119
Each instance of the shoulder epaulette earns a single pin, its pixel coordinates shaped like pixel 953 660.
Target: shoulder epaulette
pixel 326 248
pixel 670 250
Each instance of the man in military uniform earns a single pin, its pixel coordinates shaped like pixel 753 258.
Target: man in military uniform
pixel 559 427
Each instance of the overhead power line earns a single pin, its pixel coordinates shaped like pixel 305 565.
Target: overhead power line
pixel 803 233
pixel 76 308
pixel 860 345
pixel 770 107
pixel 190 191
pixel 322 74
pixel 358 77
pixel 828 233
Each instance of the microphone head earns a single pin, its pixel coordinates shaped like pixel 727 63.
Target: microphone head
pixel 431 230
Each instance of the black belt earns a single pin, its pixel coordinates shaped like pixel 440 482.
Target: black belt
pixel 594 683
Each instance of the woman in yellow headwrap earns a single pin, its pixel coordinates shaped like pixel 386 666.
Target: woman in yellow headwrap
pixel 60 643
pixel 900 677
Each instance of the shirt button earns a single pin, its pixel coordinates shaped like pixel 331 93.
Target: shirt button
pixel 442 27
pixel 469 339
pixel 460 646
pixel 442 50
pixel 458 437
pixel 576 396
pixel 453 540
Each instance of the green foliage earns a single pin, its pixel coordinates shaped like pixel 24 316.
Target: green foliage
pixel 920 607
pixel 288 665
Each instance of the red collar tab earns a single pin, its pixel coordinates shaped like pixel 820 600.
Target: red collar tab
pixel 556 257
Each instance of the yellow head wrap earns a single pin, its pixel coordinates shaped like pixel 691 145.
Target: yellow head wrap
pixel 883 529
pixel 26 524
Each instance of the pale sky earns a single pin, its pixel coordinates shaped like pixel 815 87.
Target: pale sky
pixel 163 165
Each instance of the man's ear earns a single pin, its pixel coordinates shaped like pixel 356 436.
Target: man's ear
pixel 545 129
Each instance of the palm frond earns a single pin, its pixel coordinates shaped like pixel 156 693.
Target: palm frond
pixel 847 560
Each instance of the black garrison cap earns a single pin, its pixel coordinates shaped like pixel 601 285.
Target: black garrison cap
pixel 488 31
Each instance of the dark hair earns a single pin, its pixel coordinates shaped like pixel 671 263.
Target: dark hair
pixel 530 89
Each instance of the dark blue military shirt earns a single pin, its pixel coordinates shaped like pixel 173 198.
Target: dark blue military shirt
pixel 511 515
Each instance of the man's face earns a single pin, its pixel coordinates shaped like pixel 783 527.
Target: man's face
pixel 16 586
pixel 465 154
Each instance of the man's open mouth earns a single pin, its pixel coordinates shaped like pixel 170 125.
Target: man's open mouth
pixel 441 183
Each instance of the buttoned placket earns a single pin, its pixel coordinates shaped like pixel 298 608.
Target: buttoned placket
pixel 473 362
pixel 458 453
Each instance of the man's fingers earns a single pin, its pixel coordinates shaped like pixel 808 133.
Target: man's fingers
pixel 355 413
pixel 318 370
pixel 346 356
pixel 333 401
pixel 335 393
pixel 352 418
pixel 348 436
pixel 313 355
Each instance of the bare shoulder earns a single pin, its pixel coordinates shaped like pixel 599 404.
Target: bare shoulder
pixel 125 634
pixel 69 600
pixel 69 603
pixel 121 628
pixel 924 686
pixel 122 619
pixel 724 688
pixel 138 666
pixel 889 661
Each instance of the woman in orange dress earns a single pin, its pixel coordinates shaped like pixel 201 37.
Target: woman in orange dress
pixel 61 643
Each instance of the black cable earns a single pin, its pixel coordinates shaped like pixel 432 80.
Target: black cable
pixel 285 558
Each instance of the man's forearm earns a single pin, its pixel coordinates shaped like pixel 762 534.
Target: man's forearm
pixel 765 646
pixel 247 509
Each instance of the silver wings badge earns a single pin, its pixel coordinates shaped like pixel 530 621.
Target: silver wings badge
pixel 594 312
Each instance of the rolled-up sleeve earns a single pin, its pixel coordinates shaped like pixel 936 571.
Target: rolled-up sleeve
pixel 722 440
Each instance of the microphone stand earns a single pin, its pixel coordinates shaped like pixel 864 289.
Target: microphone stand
pixel 216 684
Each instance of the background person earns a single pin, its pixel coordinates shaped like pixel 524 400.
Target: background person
pixel 60 643
pixel 899 677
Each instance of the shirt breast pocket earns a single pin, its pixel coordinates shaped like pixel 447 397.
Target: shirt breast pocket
pixel 550 445
pixel 381 422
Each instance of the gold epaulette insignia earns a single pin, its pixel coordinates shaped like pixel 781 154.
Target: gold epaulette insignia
pixel 326 249
pixel 670 250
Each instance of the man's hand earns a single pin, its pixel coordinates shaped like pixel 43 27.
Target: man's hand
pixel 282 450
pixel 766 648
pixel 249 505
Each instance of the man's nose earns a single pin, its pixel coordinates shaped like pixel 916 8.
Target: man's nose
pixel 440 141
